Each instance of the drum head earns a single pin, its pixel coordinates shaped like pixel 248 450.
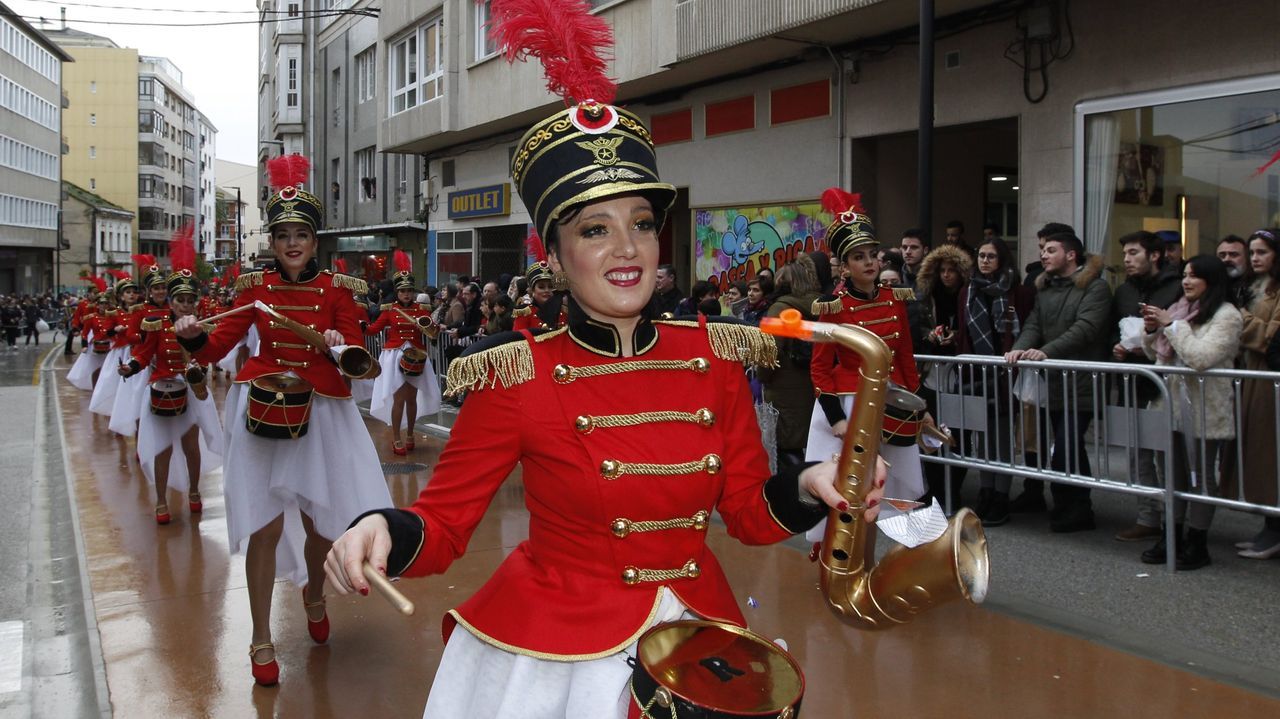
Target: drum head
pixel 722 667
pixel 168 385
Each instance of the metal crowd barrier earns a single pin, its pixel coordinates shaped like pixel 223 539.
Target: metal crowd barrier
pixel 440 351
pixel 997 412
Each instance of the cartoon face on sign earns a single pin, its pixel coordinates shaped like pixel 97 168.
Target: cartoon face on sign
pixel 738 244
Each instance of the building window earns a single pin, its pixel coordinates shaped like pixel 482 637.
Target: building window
pixel 366 75
pixel 415 69
pixel 294 10
pixel 454 256
pixel 400 165
pixel 291 97
pixel 367 173
pixel 93 87
pixel 1196 161
pixel 93 151
pixel 93 183
pixel 93 118
pixel 485 46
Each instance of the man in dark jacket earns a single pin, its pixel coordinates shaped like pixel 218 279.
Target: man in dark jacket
pixel 1069 321
pixel 1149 280
pixel 666 296
pixel 1034 269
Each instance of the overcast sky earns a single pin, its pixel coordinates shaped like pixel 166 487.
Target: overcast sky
pixel 219 64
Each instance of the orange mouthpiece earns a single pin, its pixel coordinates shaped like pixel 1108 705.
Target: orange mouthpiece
pixel 789 324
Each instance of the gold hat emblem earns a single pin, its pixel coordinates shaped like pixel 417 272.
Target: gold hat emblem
pixel 605 149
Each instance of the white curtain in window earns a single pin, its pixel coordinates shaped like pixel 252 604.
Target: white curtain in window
pixel 1101 165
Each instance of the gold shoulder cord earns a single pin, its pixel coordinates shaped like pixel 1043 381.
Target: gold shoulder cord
pixel 564 374
pixel 829 307
pixel 586 423
pixel 151 325
pixel 247 280
pixel 355 284
pixel 507 365
pixel 736 343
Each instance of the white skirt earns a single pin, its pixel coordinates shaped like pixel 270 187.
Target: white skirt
pixel 362 390
pixel 476 679
pixel 156 434
pixel 906 477
pixel 332 473
pixel 133 396
pixel 392 379
pixel 81 374
pixel 104 393
pixel 250 341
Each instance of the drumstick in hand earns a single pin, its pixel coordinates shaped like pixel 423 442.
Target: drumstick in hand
pixel 387 590
pixel 228 313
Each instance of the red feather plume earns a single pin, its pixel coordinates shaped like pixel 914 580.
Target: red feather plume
pixel 838 201
pixel 287 171
pixel 534 247
pixel 144 261
pixel 232 273
pixel 565 36
pixel 98 282
pixel 340 266
pixel 402 261
pixel 182 249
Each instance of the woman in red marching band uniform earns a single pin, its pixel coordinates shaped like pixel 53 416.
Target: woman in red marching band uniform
pixel 643 428
pixel 299 460
pixel 407 388
pixel 104 393
pixel 543 308
pixel 133 396
pixel 96 330
pixel 179 434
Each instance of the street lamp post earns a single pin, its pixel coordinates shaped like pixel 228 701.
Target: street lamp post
pixel 239 227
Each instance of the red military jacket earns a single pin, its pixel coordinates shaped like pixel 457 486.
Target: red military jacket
pixel 628 459
pixel 141 312
pixel 399 329
pixel 836 370
pixel 128 319
pixel 83 307
pixel 320 300
pixel 206 307
pixel 526 318
pixel 102 324
pixel 160 349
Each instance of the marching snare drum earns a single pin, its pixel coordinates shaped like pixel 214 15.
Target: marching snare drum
pixel 168 397
pixel 413 361
pixel 101 347
pixel 279 407
pixel 713 670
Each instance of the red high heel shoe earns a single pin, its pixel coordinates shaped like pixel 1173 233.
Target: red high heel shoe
pixel 265 674
pixel 163 517
pixel 408 442
pixel 193 501
pixel 397 448
pixel 318 629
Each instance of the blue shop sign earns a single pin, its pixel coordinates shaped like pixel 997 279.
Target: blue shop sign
pixel 480 202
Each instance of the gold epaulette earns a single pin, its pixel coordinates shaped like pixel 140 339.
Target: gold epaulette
pixel 508 364
pixel 135 308
pixel 86 318
pixel 904 294
pixel 736 343
pixel 386 307
pixel 151 325
pixel 355 284
pixel 523 311
pixel 247 280
pixel 827 307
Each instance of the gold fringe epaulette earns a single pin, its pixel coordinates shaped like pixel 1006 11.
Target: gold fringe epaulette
pixel 735 342
pixel 386 307
pixel 86 318
pixel 135 308
pixel 355 284
pixel 904 294
pixel 522 312
pixel 152 325
pixel 827 307
pixel 247 280
pixel 508 365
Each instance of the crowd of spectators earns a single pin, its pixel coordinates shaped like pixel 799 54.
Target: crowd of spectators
pixel 20 315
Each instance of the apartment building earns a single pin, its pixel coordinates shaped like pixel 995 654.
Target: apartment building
pixel 237 179
pixel 1045 110
pixel 31 107
pixel 97 234
pixel 135 138
pixel 206 191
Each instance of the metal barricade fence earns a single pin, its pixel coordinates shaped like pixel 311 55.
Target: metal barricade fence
pixel 1124 416
pixel 440 350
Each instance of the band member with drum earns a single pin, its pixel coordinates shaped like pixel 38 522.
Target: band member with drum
pixel 835 371
pixel 543 308
pixel 179 435
pixel 299 461
pixel 407 388
pixel 638 430
pixel 133 396
pixel 126 294
pixel 96 331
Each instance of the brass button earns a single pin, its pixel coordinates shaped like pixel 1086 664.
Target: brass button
pixel 700 365
pixel 691 569
pixel 611 469
pixel 584 424
pixel 705 417
pixel 620 528
pixel 662 697
pixel 700 520
pixel 279 396
pixel 562 374
pixel 630 576
pixel 713 463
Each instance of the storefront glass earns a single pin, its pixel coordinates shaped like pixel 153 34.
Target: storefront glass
pixel 1198 166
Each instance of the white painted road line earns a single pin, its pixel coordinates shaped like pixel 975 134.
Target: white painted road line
pixel 10 657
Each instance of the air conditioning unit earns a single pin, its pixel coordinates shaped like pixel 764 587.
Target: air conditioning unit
pixel 425 188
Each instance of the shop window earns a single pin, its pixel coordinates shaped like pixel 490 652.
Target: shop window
pixel 671 127
pixel 730 116
pixel 1195 160
pixel 800 102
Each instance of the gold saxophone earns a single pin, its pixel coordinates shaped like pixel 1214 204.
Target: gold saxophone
pixel 906 581
pixel 429 329
pixel 355 361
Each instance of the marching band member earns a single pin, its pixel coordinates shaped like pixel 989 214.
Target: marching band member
pixel 133 395
pixel 104 393
pixel 407 387
pixel 835 370
pixel 96 330
pixel 643 429
pixel 179 435
pixel 299 459
pixel 542 308
pixel 248 345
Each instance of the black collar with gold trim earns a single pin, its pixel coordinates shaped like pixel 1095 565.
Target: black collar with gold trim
pixel 308 273
pixel 603 338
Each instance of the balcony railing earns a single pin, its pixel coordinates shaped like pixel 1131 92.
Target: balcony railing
pixel 705 26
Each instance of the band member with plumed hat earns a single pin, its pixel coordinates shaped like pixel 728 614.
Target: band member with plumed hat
pixel 544 308
pixel 179 434
pixel 96 330
pixel 644 428
pixel 126 295
pixel 407 388
pixel 299 460
pixel 835 371
pixel 133 394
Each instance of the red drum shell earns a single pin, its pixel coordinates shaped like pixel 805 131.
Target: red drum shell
pixel 168 398
pixel 279 407
pixel 101 347
pixel 413 362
